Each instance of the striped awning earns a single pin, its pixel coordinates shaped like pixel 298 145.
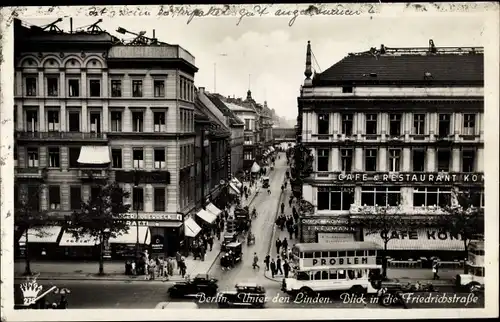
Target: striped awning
pixel 44 234
pixel 191 228
pixel 213 209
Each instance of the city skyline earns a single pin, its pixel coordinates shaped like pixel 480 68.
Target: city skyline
pixel 256 47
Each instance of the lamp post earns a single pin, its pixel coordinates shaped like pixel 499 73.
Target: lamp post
pixel 136 184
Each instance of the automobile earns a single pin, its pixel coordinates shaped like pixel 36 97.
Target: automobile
pixel 228 238
pixel 265 182
pixel 201 283
pixel 244 295
pixel 234 250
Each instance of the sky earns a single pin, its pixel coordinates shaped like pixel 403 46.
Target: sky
pixel 267 56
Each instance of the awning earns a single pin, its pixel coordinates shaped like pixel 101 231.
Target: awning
pixel 94 155
pixel 44 234
pixel 233 189
pixel 191 228
pixel 420 239
pixel 272 149
pixel 255 167
pixel 206 216
pixel 130 237
pixel 213 209
pixel 67 239
pixel 332 238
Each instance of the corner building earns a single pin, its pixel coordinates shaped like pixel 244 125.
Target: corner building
pixel 90 109
pixel 397 127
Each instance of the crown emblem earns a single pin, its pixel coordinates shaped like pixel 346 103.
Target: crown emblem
pixel 30 290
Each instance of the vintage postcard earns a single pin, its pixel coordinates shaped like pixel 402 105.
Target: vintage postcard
pixel 167 162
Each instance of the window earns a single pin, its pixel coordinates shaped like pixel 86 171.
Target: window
pixel 380 196
pixel 394 160
pixel 418 160
pixel 248 155
pixel 469 124
pixel 74 87
pixel 138 198
pixel 116 121
pixel 54 158
pixel 95 88
pixel 335 198
pixel 33 197
pixel 94 193
pixel 75 197
pixel 418 124
pixel 477 198
pixel 346 159
pixel 95 122
pixel 247 125
pixel 116 156
pixel 431 196
pixel 159 86
pixel 468 160
pixel 443 157
pixel 159 121
pixel 137 121
pixel 248 139
pixel 54 198
pixel 74 121
pixel 323 123
pixel 444 125
pixel 332 275
pixel 31 121
pixel 323 159
pixel 30 86
pixel 138 156
pixel 347 124
pixel 53 121
pixel 159 158
pixel 347 89
pixel 371 124
pixel 116 88
pixel 137 88
pixel 74 153
pixel 371 160
pixel 159 199
pixel 395 124
pixel 52 86
pixel 32 157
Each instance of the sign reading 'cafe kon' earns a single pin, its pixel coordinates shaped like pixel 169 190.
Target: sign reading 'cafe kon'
pixel 410 177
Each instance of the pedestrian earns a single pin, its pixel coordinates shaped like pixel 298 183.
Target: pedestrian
pixel 296 231
pixel 273 267
pixel 290 231
pixel 183 268
pixel 178 258
pixel 269 191
pixel 278 245
pixel 284 244
pixel 267 261
pixel 134 272
pixel 278 265
pixel 286 183
pixel 246 195
pixel 160 267
pixel 290 202
pixel 152 269
pixel 255 261
pixel 202 252
pixel 435 270
pixel 282 188
pixel 282 207
pixel 286 268
pixel 211 242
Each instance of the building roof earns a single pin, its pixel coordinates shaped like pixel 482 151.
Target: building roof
pixel 233 119
pixel 374 68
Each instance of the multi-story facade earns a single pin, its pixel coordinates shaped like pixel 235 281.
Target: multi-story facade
pixel 266 126
pixel 90 108
pixel 392 127
pixel 237 133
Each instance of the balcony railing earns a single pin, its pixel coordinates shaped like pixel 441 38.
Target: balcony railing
pixel 93 174
pixel 60 136
pixel 30 173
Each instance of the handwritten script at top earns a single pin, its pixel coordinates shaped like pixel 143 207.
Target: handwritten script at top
pixel 230 11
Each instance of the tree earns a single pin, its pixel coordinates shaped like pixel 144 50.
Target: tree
pixel 381 220
pixel 29 218
pixel 463 217
pixel 101 216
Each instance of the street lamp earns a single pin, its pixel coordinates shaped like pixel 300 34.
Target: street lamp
pixel 136 185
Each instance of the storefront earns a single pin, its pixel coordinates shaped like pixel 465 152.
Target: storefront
pixel 422 244
pixel 42 242
pixel 125 245
pixel 82 247
pixel 326 230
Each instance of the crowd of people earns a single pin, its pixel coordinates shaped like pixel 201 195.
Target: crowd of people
pixel 157 267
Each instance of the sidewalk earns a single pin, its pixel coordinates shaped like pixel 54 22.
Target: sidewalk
pixel 115 270
pixel 404 275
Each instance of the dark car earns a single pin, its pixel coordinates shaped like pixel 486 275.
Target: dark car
pixel 201 283
pixel 244 295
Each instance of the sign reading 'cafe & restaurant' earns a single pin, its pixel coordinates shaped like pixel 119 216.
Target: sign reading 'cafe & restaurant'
pixel 410 177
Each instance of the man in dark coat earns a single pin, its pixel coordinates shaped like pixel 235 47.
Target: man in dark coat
pixel 278 245
pixel 284 244
pixel 290 231
pixel 267 261
pixel 273 268
pixel 282 207
pixel 286 268
pixel 278 266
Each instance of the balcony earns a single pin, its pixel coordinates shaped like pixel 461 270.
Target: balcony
pixel 93 174
pixel 61 136
pixel 31 173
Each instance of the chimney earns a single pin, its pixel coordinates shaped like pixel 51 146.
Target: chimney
pixel 308 71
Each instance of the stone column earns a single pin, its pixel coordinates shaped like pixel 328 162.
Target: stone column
pixel 431 160
pixel 335 160
pixel 456 160
pixel 382 159
pixel 358 159
pixel 406 164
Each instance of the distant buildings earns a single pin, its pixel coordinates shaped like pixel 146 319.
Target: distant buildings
pixel 397 127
